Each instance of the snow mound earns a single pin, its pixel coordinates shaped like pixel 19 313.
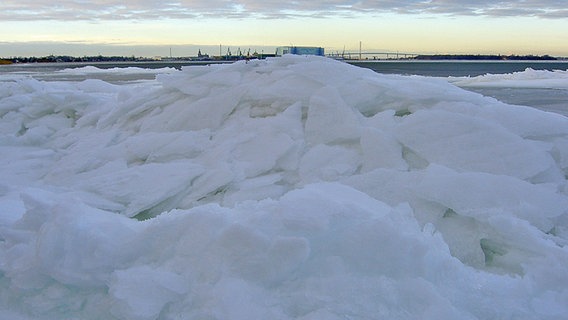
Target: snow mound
pixel 288 188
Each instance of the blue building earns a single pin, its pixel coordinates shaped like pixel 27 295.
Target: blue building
pixel 313 51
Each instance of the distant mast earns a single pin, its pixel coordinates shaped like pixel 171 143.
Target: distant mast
pixel 360 57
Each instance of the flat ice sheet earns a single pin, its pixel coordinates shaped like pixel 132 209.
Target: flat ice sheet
pixel 545 90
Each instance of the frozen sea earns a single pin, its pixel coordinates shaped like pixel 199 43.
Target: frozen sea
pixel 514 82
pixel 289 188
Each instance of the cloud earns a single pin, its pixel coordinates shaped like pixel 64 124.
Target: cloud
pixel 63 10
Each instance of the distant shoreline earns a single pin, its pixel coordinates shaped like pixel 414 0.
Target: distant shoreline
pixel 461 57
pixel 221 59
pixel 472 57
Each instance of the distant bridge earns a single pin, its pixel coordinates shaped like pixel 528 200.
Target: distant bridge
pixel 371 55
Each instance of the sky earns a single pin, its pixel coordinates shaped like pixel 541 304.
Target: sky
pixel 182 27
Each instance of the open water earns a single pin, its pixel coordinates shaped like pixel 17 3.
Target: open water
pixel 454 68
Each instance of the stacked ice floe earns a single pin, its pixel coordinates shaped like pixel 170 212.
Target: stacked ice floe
pixel 291 188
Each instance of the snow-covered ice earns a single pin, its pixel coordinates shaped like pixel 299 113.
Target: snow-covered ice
pixel 545 90
pixel 288 188
pixel 529 78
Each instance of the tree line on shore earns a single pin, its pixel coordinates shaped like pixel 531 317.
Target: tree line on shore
pixel 63 59
pixel 482 57
pixel 53 58
pixel 100 58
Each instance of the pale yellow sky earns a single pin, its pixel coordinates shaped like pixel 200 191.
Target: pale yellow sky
pixel 391 31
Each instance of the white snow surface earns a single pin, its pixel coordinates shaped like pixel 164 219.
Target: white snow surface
pixel 288 188
pixel 529 78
